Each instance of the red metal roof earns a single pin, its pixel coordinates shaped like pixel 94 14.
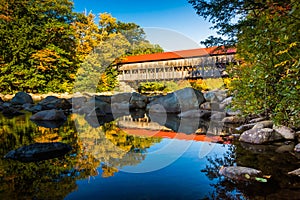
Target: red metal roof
pixel 177 55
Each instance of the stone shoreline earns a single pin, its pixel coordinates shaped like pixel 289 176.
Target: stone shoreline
pixel 187 104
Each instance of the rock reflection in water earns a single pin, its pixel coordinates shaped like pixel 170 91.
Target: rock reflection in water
pixel 106 146
pixel 262 157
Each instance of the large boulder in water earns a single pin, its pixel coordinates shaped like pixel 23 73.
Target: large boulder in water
pixel 260 136
pixel 178 101
pixel 49 115
pixel 21 98
pixel 39 151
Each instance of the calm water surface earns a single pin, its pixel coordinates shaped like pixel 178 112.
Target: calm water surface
pixel 109 161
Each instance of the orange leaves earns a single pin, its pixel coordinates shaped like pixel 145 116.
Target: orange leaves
pixel 5 17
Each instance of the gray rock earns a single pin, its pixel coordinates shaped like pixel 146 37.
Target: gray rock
pixel 107 99
pixel 233 120
pixel 260 136
pixel 240 173
pixel 217 116
pixel 206 106
pixel 227 101
pixel 295 172
pixel 178 101
pixel 263 124
pixel 6 105
pixel 39 151
pixel 97 107
pixel 215 96
pixel 35 109
pixel 49 115
pixel 231 112
pixel 21 98
pixel 27 106
pixel 120 107
pixel 120 98
pixel 209 96
pixel 297 148
pixel 52 102
pixel 245 127
pixel 255 120
pixel 286 132
pixel 78 102
pixel 138 101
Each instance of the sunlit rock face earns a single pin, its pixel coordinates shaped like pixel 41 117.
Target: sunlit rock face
pixel 260 136
pixel 179 101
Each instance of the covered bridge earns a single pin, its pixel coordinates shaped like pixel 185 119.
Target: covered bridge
pixel 176 65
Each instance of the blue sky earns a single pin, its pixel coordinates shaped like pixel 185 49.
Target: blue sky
pixel 173 24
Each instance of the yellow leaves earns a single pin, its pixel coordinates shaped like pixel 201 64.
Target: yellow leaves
pixel 106 19
pixel 283 63
pixel 46 58
pixel 282 52
pixel 293 44
pixel 72 76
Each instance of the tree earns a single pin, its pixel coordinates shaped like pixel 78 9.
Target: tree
pixel 37 45
pixel 109 43
pixel 267 41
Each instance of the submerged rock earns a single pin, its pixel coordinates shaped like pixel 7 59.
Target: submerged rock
pixel 241 173
pixel 39 151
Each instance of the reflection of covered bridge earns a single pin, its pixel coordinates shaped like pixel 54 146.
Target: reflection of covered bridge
pixel 185 64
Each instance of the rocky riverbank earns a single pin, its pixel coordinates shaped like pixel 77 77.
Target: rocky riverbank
pixel 187 104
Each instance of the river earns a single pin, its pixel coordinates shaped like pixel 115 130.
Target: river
pixel 117 158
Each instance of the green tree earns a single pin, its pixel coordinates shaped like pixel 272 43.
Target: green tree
pixel 37 45
pixel 266 35
pixel 111 42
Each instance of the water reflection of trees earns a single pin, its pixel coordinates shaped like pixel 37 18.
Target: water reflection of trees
pixel 113 147
pixel 54 179
pixel 275 164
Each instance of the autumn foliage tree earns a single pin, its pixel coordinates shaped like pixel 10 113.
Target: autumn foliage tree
pixel 267 37
pixel 112 40
pixel 37 51
pixel 44 43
